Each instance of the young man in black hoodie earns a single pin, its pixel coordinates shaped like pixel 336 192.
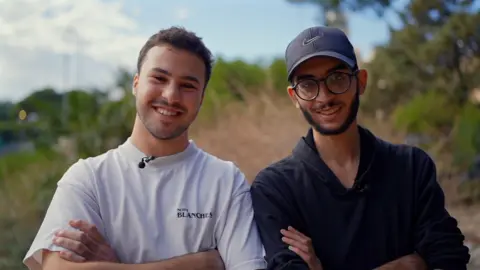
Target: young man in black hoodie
pixel 345 199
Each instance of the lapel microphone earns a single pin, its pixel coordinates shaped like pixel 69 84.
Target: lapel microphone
pixel 143 162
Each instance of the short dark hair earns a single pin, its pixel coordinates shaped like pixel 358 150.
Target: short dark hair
pixel 179 38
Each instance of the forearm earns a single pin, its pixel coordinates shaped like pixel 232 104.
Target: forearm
pixel 194 261
pixel 409 262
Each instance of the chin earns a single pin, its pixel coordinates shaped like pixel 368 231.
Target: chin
pixel 167 135
pixel 333 123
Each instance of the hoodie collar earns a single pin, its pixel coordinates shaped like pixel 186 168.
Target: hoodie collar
pixel 306 151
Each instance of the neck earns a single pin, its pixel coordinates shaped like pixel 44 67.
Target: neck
pixel 152 146
pixel 342 148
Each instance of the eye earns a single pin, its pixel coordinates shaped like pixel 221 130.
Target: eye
pixel 338 76
pixel 307 85
pixel 160 79
pixel 188 87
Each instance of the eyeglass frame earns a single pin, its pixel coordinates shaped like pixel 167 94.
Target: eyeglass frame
pixel 319 81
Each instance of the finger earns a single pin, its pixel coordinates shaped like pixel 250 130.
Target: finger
pixel 69 256
pixel 293 235
pixel 96 235
pixel 291 229
pixel 81 225
pixel 305 256
pixel 78 236
pixel 297 244
pixel 74 246
pixel 89 229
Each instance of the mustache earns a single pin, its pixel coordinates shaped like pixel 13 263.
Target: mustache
pixel 325 105
pixel 175 105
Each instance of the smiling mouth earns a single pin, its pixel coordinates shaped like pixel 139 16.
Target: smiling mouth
pixel 331 110
pixel 167 112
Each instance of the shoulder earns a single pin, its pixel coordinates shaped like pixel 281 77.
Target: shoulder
pixel 217 165
pixel 278 173
pixel 409 163
pixel 409 155
pixel 102 161
pixel 225 173
pixel 85 171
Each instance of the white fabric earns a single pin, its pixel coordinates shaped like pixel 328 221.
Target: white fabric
pixel 187 202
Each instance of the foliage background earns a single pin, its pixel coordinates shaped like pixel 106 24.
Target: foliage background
pixel 420 86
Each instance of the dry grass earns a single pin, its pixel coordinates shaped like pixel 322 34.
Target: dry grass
pixel 268 128
pixel 253 136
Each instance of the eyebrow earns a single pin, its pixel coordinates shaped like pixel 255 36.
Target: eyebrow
pixel 186 77
pixel 340 66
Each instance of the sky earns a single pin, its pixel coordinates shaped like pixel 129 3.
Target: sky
pixel 66 43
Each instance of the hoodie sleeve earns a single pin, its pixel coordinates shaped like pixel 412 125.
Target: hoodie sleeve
pixel 274 212
pixel 438 239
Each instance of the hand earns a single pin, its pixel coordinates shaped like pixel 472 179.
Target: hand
pixel 302 246
pixel 87 244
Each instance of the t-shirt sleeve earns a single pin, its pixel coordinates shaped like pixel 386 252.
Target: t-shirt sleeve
pixel 74 198
pixel 238 241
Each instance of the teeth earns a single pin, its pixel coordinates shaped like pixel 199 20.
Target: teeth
pixel 167 113
pixel 329 110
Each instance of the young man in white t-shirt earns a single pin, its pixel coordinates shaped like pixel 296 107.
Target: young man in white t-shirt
pixel 157 201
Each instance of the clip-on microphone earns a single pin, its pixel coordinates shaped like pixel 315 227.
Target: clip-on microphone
pixel 144 161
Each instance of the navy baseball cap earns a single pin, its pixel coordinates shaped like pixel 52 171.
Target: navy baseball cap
pixel 319 41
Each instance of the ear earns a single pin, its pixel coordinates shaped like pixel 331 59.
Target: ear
pixel 202 97
pixel 362 77
pixel 135 84
pixel 293 96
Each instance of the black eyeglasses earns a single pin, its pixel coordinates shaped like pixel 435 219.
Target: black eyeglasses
pixel 336 83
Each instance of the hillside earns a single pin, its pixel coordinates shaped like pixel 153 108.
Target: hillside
pixel 268 129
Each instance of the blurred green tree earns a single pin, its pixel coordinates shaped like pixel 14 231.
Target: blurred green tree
pixel 437 48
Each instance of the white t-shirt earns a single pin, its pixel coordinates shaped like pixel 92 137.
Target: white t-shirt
pixel 183 203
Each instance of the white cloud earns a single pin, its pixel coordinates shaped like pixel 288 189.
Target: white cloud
pixel 34 34
pixel 182 13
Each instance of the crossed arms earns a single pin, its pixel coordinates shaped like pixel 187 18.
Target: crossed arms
pixel 196 261
pixel 237 240
pixel 438 241
pixel 86 249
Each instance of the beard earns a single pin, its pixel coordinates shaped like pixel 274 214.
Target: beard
pixel 157 129
pixel 352 115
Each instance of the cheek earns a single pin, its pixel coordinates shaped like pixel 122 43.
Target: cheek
pixel 351 97
pixel 305 105
pixel 148 92
pixel 192 99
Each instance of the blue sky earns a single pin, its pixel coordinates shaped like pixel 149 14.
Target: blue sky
pixel 249 28
pixel 35 53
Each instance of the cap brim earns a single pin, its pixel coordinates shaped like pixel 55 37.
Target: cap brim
pixel 350 62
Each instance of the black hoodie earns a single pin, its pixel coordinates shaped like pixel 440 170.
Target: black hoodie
pixel 395 208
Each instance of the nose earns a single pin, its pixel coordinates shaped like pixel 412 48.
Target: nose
pixel 323 93
pixel 172 93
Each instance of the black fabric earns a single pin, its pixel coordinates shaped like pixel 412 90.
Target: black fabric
pixel 401 210
pixel 367 150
